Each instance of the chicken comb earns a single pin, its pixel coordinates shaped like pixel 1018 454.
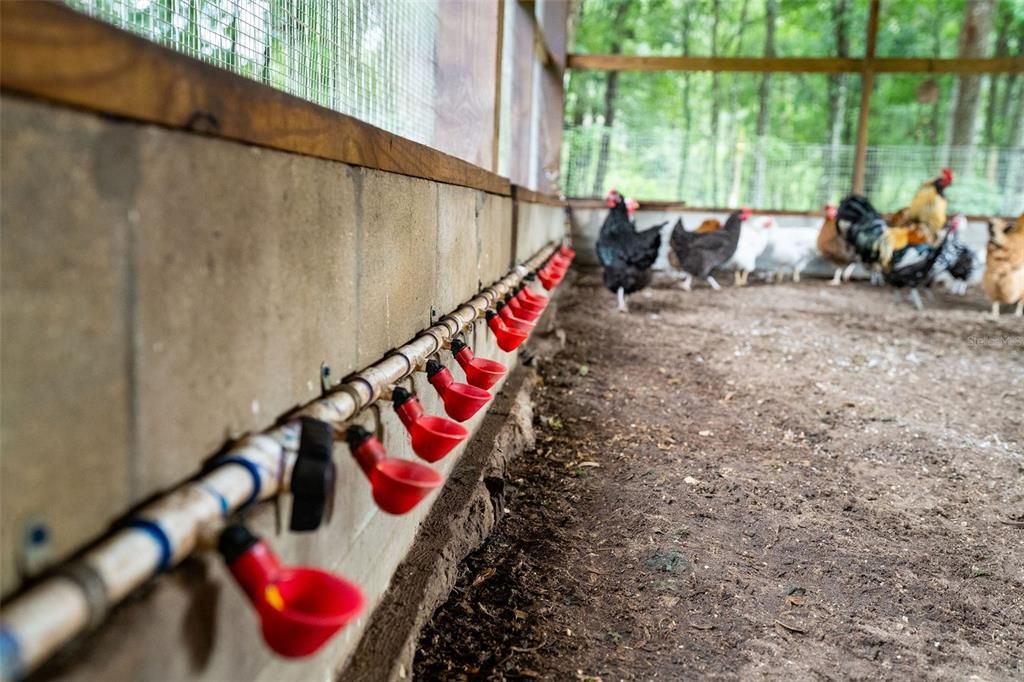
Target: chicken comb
pixel 947 176
pixel 745 213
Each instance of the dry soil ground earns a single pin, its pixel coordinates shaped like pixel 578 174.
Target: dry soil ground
pixel 778 481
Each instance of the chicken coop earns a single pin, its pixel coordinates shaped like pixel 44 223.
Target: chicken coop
pixel 494 339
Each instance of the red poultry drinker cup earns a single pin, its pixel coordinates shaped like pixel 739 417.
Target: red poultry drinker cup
pixel 523 310
pixel 508 339
pixel 480 372
pixel 300 608
pixel 461 401
pixel 511 321
pixel 398 485
pixel 432 437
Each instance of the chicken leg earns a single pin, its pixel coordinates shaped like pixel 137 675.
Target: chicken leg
pixel 712 283
pixel 1020 308
pixel 848 272
pixel 915 298
pixel 834 282
pixel 687 281
pixel 995 311
pixel 623 308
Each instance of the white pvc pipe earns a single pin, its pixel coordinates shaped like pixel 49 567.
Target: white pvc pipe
pixel 38 623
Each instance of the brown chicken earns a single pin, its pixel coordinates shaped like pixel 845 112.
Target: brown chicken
pixel 834 247
pixel 709 225
pixel 1004 267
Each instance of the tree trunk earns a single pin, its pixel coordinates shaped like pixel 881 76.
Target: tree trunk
pixel 973 33
pixel 837 99
pixel 735 129
pixel 684 145
pixel 715 104
pixel 611 91
pixel 764 102
pixel 1002 49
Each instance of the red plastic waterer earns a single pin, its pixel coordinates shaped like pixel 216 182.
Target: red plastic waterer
pixel 527 294
pixel 461 401
pixel 511 321
pixel 547 280
pixel 300 608
pixel 398 485
pixel 523 310
pixel 480 372
pixel 567 252
pixel 508 339
pixel 432 437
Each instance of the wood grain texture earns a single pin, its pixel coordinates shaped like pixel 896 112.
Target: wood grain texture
pixel 521 92
pixel 614 62
pixel 520 193
pixel 51 52
pixel 867 85
pixel 465 78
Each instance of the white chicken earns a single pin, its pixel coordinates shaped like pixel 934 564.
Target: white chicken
pixel 752 243
pixel 790 248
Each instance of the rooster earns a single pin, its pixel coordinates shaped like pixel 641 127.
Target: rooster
pixel 627 255
pixel 697 255
pixel 1004 266
pixel 905 259
pixel 927 210
pixel 836 249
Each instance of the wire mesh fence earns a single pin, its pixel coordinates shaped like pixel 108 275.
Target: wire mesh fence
pixel 370 59
pixel 663 164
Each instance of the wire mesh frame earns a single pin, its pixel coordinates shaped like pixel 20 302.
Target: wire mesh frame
pixel 660 164
pixel 370 59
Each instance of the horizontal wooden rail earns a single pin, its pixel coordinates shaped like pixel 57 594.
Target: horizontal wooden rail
pixel 520 193
pixel 679 206
pixel 617 62
pixel 54 53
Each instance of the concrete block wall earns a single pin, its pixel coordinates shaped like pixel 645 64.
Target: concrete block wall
pixel 163 293
pixel 586 225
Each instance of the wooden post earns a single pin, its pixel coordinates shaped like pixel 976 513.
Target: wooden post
pixel 867 81
pixel 496 145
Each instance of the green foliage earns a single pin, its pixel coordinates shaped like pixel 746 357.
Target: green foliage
pixel 653 118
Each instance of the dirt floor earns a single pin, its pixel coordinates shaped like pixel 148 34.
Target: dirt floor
pixel 777 481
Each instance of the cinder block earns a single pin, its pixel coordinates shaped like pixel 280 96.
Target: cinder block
pixel 67 182
pixel 494 235
pixel 246 273
pixel 398 241
pixel 456 246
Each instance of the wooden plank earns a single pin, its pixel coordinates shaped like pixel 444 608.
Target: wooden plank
pixel 679 206
pixel 465 79
pixel 867 83
pixel 614 62
pixel 496 127
pixel 549 130
pixel 54 53
pixel 520 193
pixel 521 92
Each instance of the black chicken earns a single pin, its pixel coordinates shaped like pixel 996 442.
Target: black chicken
pixel 697 254
pixel 626 254
pixel 862 226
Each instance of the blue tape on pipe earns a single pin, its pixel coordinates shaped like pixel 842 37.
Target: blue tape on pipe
pixel 153 530
pixel 215 494
pixel 11 667
pixel 254 471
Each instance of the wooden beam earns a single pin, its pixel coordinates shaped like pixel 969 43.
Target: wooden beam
pixel 867 83
pixel 54 53
pixel 681 206
pixel 520 193
pixel 617 62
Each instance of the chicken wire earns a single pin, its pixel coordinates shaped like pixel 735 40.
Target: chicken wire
pixel 649 164
pixel 371 59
